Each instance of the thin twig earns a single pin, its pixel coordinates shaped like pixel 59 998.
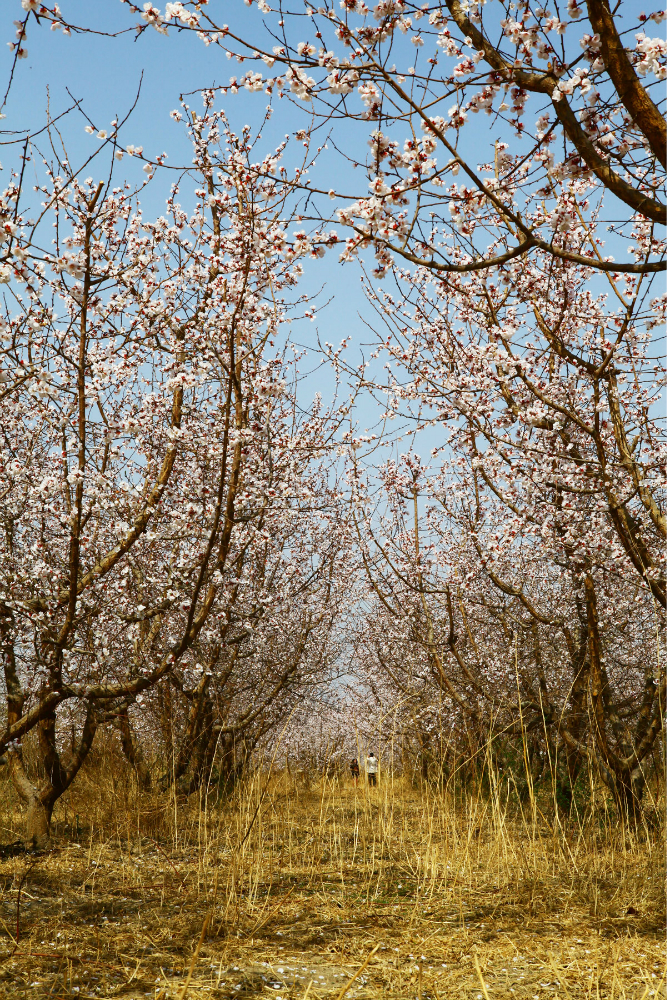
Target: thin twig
pixel 184 988
pixel 357 974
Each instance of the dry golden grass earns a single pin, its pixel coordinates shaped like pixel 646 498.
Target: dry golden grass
pixel 288 888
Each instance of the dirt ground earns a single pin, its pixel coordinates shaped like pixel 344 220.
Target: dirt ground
pixel 331 891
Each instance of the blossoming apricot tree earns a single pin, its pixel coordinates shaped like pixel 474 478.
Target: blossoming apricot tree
pixel 150 442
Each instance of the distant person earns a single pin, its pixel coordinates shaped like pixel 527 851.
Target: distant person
pixel 372 769
pixel 354 770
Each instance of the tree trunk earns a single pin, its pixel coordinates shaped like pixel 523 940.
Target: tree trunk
pixel 38 823
pixel 628 794
pixel 41 799
pixel 133 753
pixel 38 818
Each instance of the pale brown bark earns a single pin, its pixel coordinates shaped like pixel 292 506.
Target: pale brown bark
pixel 628 86
pixel 38 824
pixel 38 815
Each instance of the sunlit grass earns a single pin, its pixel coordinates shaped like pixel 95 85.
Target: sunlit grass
pixel 299 878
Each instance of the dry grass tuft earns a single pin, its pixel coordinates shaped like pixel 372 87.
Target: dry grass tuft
pixel 323 890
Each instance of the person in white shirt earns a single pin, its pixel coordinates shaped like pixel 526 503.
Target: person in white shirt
pixel 372 768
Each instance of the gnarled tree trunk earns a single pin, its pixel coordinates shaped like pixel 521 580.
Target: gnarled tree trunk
pixel 38 815
pixel 40 799
pixel 38 823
